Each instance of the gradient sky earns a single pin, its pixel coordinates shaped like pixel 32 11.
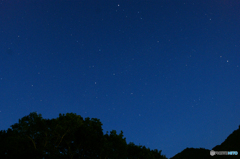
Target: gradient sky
pixel 165 72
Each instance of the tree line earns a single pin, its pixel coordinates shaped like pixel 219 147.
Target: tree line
pixel 68 136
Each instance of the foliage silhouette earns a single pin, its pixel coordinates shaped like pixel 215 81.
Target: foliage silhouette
pixel 67 137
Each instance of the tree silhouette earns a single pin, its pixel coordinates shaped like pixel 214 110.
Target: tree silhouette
pixel 67 137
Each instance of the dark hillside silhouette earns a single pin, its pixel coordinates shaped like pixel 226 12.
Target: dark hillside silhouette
pixel 232 143
pixel 193 153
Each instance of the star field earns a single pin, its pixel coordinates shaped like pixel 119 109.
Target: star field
pixel 166 73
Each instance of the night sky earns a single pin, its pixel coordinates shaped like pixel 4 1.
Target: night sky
pixel 165 72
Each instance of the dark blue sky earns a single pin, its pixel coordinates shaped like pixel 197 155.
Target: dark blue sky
pixel 165 72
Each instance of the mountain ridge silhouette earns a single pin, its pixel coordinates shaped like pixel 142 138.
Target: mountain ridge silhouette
pixel 231 143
